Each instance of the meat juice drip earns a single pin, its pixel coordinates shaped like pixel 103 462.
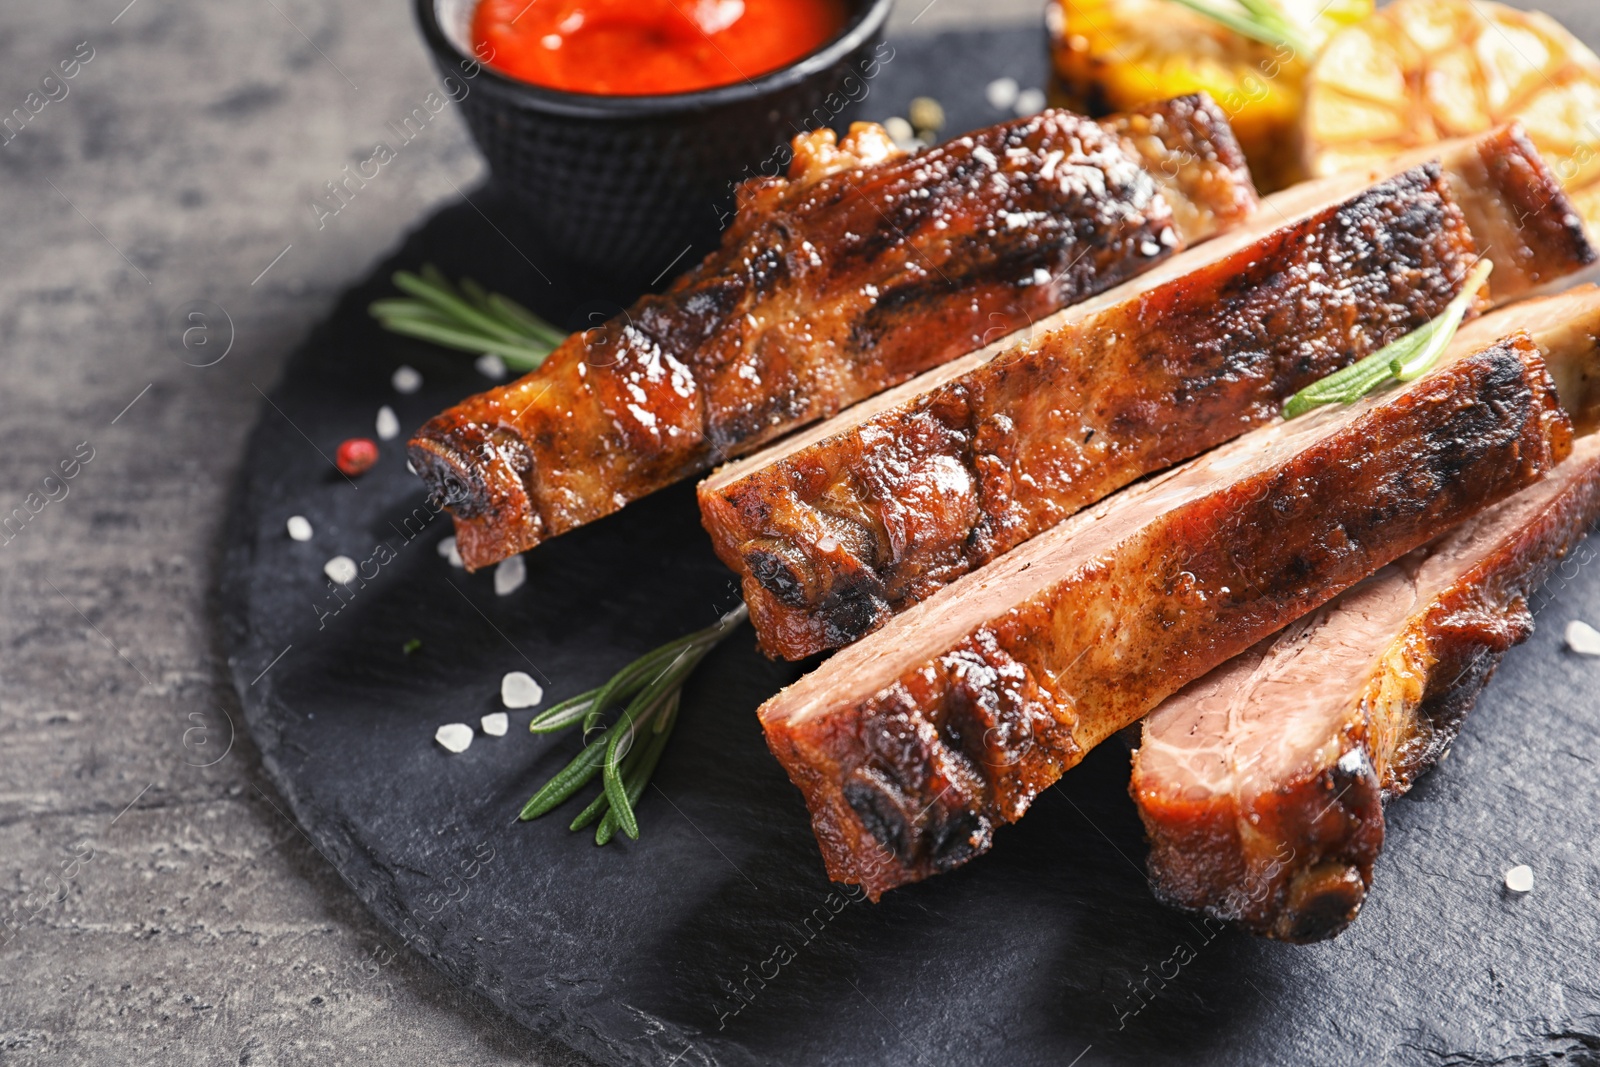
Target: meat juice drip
pixel 649 47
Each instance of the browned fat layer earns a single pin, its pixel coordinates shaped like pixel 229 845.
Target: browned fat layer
pixel 828 289
pixel 833 539
pixel 1292 858
pixel 912 745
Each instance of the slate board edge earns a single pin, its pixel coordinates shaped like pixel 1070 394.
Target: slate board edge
pixel 333 837
pixel 353 863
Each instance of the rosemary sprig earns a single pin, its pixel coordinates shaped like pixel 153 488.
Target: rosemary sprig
pixel 1259 20
pixel 466 318
pixel 624 753
pixel 1404 360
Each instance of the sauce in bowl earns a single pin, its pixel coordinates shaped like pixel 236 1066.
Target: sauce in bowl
pixel 649 47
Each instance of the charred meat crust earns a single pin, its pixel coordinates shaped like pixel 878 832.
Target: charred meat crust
pixel 825 291
pixel 1329 817
pixel 1516 209
pixel 913 779
pixel 832 540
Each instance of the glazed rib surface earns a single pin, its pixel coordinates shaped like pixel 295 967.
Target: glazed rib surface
pixel 1262 785
pixel 837 528
pixel 833 539
pixel 912 745
pixel 864 269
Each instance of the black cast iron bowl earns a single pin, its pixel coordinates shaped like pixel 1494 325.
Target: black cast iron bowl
pixel 626 185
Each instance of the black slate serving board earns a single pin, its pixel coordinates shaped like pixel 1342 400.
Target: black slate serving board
pixel 716 938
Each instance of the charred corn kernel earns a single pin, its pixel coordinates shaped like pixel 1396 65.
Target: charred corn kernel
pixel 1110 55
pixel 1421 71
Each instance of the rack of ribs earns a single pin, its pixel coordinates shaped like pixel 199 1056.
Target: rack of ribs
pixel 913 744
pixel 835 530
pixel 1262 785
pixel 862 269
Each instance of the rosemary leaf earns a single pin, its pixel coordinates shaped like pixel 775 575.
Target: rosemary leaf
pixel 1405 359
pixel 516 317
pixel 573 777
pixel 611 778
pixel 597 807
pixel 1410 366
pixel 434 276
pixel 530 323
pixel 454 307
pixel 474 293
pixel 516 356
pixel 635 780
pixel 637 755
pixel 650 690
pixel 667 718
pixel 1274 30
pixel 466 317
pixel 397 307
pixel 622 686
pixel 563 715
pixel 1269 14
pixel 1345 386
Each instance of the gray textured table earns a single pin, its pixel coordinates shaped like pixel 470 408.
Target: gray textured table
pixel 155 905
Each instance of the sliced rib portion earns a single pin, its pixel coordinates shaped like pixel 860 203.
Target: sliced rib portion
pixel 866 268
pixel 912 745
pixel 1513 203
pixel 1566 327
pixel 838 528
pixel 1518 213
pixel 834 538
pixel 1261 785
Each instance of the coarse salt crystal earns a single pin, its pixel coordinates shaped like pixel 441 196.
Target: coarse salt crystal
pixel 341 569
pixel 519 690
pixel 1583 638
pixel 495 723
pixel 299 528
pixel 509 576
pixel 455 736
pixel 405 379
pixel 1029 102
pixel 1001 93
pixel 1519 879
pixel 447 549
pixel 491 366
pixel 388 424
pixel 409 468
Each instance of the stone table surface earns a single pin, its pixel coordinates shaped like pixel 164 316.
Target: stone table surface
pixel 156 907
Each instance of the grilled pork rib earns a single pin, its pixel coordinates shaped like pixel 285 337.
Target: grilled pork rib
pixel 835 530
pixel 912 745
pixel 864 269
pixel 1261 785
pixel 1518 213
pixel 834 538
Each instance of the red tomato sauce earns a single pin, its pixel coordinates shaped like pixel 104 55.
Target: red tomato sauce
pixel 646 47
